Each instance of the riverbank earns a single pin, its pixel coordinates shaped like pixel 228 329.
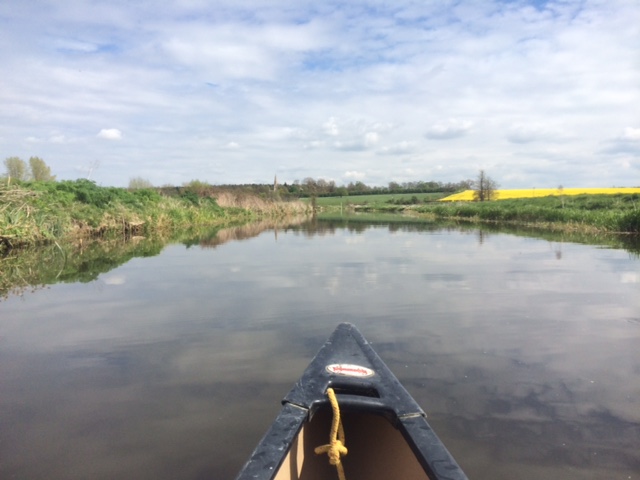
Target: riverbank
pixel 47 212
pixel 619 213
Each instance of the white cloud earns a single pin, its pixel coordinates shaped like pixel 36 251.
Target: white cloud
pixel 629 277
pixel 115 280
pixel 110 134
pixel 371 139
pixel 631 134
pixel 448 129
pixel 58 139
pixel 331 127
pixel 549 133
pixel 542 94
pixel 627 144
pixel 523 134
pixel 399 148
pixel 353 175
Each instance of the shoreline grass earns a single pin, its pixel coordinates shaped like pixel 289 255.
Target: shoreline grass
pixel 44 212
pixel 616 213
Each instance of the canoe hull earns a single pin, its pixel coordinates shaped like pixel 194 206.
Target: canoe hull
pixel 387 433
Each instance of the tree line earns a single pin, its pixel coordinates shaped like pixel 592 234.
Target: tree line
pixel 310 187
pixel 484 187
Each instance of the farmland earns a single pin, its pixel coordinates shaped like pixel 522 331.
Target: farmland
pixel 595 213
pixel 468 195
pixel 385 198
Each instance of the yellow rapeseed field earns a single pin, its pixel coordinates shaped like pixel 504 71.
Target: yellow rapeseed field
pixel 467 195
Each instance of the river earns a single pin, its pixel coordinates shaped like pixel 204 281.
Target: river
pixel 524 352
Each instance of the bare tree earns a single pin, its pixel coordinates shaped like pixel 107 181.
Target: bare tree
pixel 484 188
pixel 40 171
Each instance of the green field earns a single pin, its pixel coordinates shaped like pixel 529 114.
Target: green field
pixel 386 198
pixel 618 213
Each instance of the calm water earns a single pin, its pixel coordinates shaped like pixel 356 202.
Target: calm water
pixel 524 353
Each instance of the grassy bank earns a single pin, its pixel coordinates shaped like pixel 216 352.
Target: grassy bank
pixel 589 213
pixel 45 212
pixel 618 213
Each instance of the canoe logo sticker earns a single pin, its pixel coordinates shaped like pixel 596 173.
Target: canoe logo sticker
pixel 349 370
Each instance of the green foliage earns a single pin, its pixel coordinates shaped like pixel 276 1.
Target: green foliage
pixel 40 171
pixel 630 222
pixel 201 189
pixel 195 191
pixel 37 170
pixel 611 213
pixel 405 200
pixel 68 263
pixel 87 192
pixel 138 183
pixel 16 168
pixel 380 199
pixel 40 212
pixel 191 197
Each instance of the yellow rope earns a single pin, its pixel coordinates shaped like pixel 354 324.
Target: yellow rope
pixel 335 447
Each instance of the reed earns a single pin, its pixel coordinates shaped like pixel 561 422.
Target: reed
pixel 41 212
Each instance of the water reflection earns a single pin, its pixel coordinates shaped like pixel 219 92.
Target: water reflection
pixel 85 261
pixel 172 366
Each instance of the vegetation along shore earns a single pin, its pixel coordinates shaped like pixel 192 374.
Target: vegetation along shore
pixel 589 213
pixel 40 212
pixel 37 209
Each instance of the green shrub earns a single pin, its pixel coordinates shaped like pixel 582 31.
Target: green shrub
pixel 190 196
pixel 630 222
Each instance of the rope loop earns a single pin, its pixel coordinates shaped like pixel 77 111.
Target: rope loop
pixel 335 448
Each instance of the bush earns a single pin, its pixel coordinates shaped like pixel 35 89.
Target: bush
pixel 630 222
pixel 87 192
pixel 190 196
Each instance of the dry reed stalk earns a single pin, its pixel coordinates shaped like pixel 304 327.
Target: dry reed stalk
pixel 254 203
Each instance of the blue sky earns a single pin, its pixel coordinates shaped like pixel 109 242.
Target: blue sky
pixel 538 94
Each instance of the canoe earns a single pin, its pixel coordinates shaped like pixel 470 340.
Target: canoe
pixel 348 417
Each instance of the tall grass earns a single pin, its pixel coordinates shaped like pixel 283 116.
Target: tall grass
pixel 607 213
pixel 40 212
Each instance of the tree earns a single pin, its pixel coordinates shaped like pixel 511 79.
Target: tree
pixel 484 188
pixel 16 169
pixel 138 183
pixel 310 186
pixel 40 171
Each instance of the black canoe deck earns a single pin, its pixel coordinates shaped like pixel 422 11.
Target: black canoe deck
pixel 363 384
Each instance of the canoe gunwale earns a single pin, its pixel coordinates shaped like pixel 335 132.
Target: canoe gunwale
pixel 380 394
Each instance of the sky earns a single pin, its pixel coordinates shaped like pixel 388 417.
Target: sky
pixel 536 93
